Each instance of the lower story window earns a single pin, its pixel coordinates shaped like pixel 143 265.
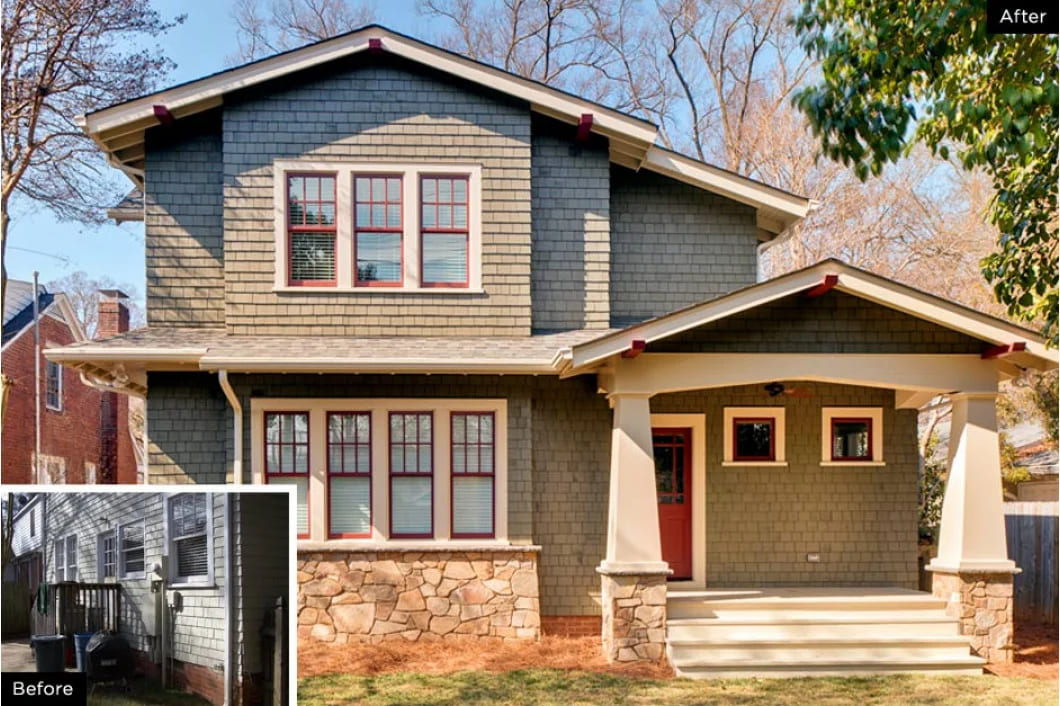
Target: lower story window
pixel 852 436
pixel 65 557
pixel 411 474
pixel 189 530
pixel 349 474
pixel 107 551
pixel 287 458
pixel 472 439
pixel 131 558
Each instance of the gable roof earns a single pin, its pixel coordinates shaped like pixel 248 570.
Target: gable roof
pixel 119 130
pixel 848 279
pixel 18 310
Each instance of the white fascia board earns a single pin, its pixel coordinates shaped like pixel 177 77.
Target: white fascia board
pixel 124 355
pixel 212 87
pixel 234 364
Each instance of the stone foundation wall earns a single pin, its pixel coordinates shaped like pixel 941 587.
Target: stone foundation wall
pixel 634 617
pixel 983 603
pixel 358 596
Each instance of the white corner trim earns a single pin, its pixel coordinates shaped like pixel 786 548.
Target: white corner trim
pixel 410 173
pixel 776 413
pixel 873 413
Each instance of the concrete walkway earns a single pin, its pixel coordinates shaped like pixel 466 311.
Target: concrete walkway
pixel 17 656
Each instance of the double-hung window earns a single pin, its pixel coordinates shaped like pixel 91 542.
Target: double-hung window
pixel 107 555
pixel 287 458
pixel 189 531
pixel 311 230
pixel 65 557
pixel 349 474
pixel 53 398
pixel 411 475
pixel 378 240
pixel 472 473
pixel 132 561
pixel 444 231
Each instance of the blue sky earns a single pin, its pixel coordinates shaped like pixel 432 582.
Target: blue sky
pixel 37 241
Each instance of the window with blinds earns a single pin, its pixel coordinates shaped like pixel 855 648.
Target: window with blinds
pixel 378 230
pixel 107 555
pixel 444 231
pixel 188 529
pixel 131 549
pixel 472 439
pixel 311 229
pixel 287 459
pixel 349 474
pixel 411 475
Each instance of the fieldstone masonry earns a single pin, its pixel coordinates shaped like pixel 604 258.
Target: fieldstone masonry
pixel 358 596
pixel 634 617
pixel 983 603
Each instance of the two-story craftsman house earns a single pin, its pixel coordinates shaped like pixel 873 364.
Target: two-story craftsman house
pixel 513 359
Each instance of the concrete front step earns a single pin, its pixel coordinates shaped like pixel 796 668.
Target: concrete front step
pixel 835 626
pixel 865 648
pixel 741 670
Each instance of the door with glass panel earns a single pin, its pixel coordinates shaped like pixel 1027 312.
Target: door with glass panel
pixel 673 487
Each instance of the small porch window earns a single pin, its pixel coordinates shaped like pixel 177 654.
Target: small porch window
pixel 287 459
pixel 411 475
pixel 311 231
pixel 852 436
pixel 754 436
pixel 349 474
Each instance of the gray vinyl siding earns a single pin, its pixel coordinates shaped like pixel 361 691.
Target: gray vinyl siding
pixel 570 262
pixel 183 225
pixel 673 245
pixel 379 111
pixel 26 530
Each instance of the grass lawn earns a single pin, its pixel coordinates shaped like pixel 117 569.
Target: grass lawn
pixel 143 692
pixel 554 686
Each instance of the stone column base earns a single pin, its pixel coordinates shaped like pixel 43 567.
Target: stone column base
pixel 634 616
pixel 983 604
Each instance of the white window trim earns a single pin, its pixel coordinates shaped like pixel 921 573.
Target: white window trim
pixel 774 413
pixel 59 407
pixel 67 566
pixel 411 172
pixel 101 575
pixel 173 580
pixel 379 409
pixel 122 573
pixel 873 413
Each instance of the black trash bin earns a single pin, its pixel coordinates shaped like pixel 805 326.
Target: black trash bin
pixel 50 652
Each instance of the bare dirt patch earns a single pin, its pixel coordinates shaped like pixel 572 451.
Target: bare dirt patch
pixel 551 652
pixel 1036 653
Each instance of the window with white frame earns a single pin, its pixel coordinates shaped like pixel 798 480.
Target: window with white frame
pixel 65 558
pixel 382 469
pixel 753 436
pixel 851 436
pixel 131 546
pixel 378 226
pixel 189 536
pixel 53 386
pixel 107 555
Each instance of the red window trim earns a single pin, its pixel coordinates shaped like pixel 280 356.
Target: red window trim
pixel 868 425
pixel 771 421
pixel 308 460
pixel 333 229
pixel 400 176
pixel 465 231
pixel 391 473
pixel 330 473
pixel 492 534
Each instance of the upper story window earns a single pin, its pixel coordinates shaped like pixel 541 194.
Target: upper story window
pixel 53 398
pixel 312 235
pixel 365 227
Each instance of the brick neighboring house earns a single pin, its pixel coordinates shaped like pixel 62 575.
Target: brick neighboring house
pixel 513 359
pixel 84 429
pixel 214 564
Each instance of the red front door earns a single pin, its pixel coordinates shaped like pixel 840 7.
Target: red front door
pixel 673 487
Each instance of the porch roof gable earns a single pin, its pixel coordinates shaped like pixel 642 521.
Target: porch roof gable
pixel 1023 346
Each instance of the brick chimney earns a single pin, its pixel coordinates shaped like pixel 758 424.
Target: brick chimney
pixel 113 314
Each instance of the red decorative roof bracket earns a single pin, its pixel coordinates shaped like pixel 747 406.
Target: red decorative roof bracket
pixel 636 347
pixel 375 45
pixel 585 125
pixel 163 115
pixel 829 283
pixel 1003 350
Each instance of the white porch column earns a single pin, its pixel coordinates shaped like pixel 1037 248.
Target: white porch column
pixel 633 543
pixel 972 531
pixel 972 571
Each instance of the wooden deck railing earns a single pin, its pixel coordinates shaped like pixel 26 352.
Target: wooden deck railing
pixel 79 607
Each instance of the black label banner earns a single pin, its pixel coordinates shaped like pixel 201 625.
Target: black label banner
pixel 40 688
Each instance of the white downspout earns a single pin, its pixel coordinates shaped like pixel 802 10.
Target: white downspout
pixel 229 682
pixel 237 416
